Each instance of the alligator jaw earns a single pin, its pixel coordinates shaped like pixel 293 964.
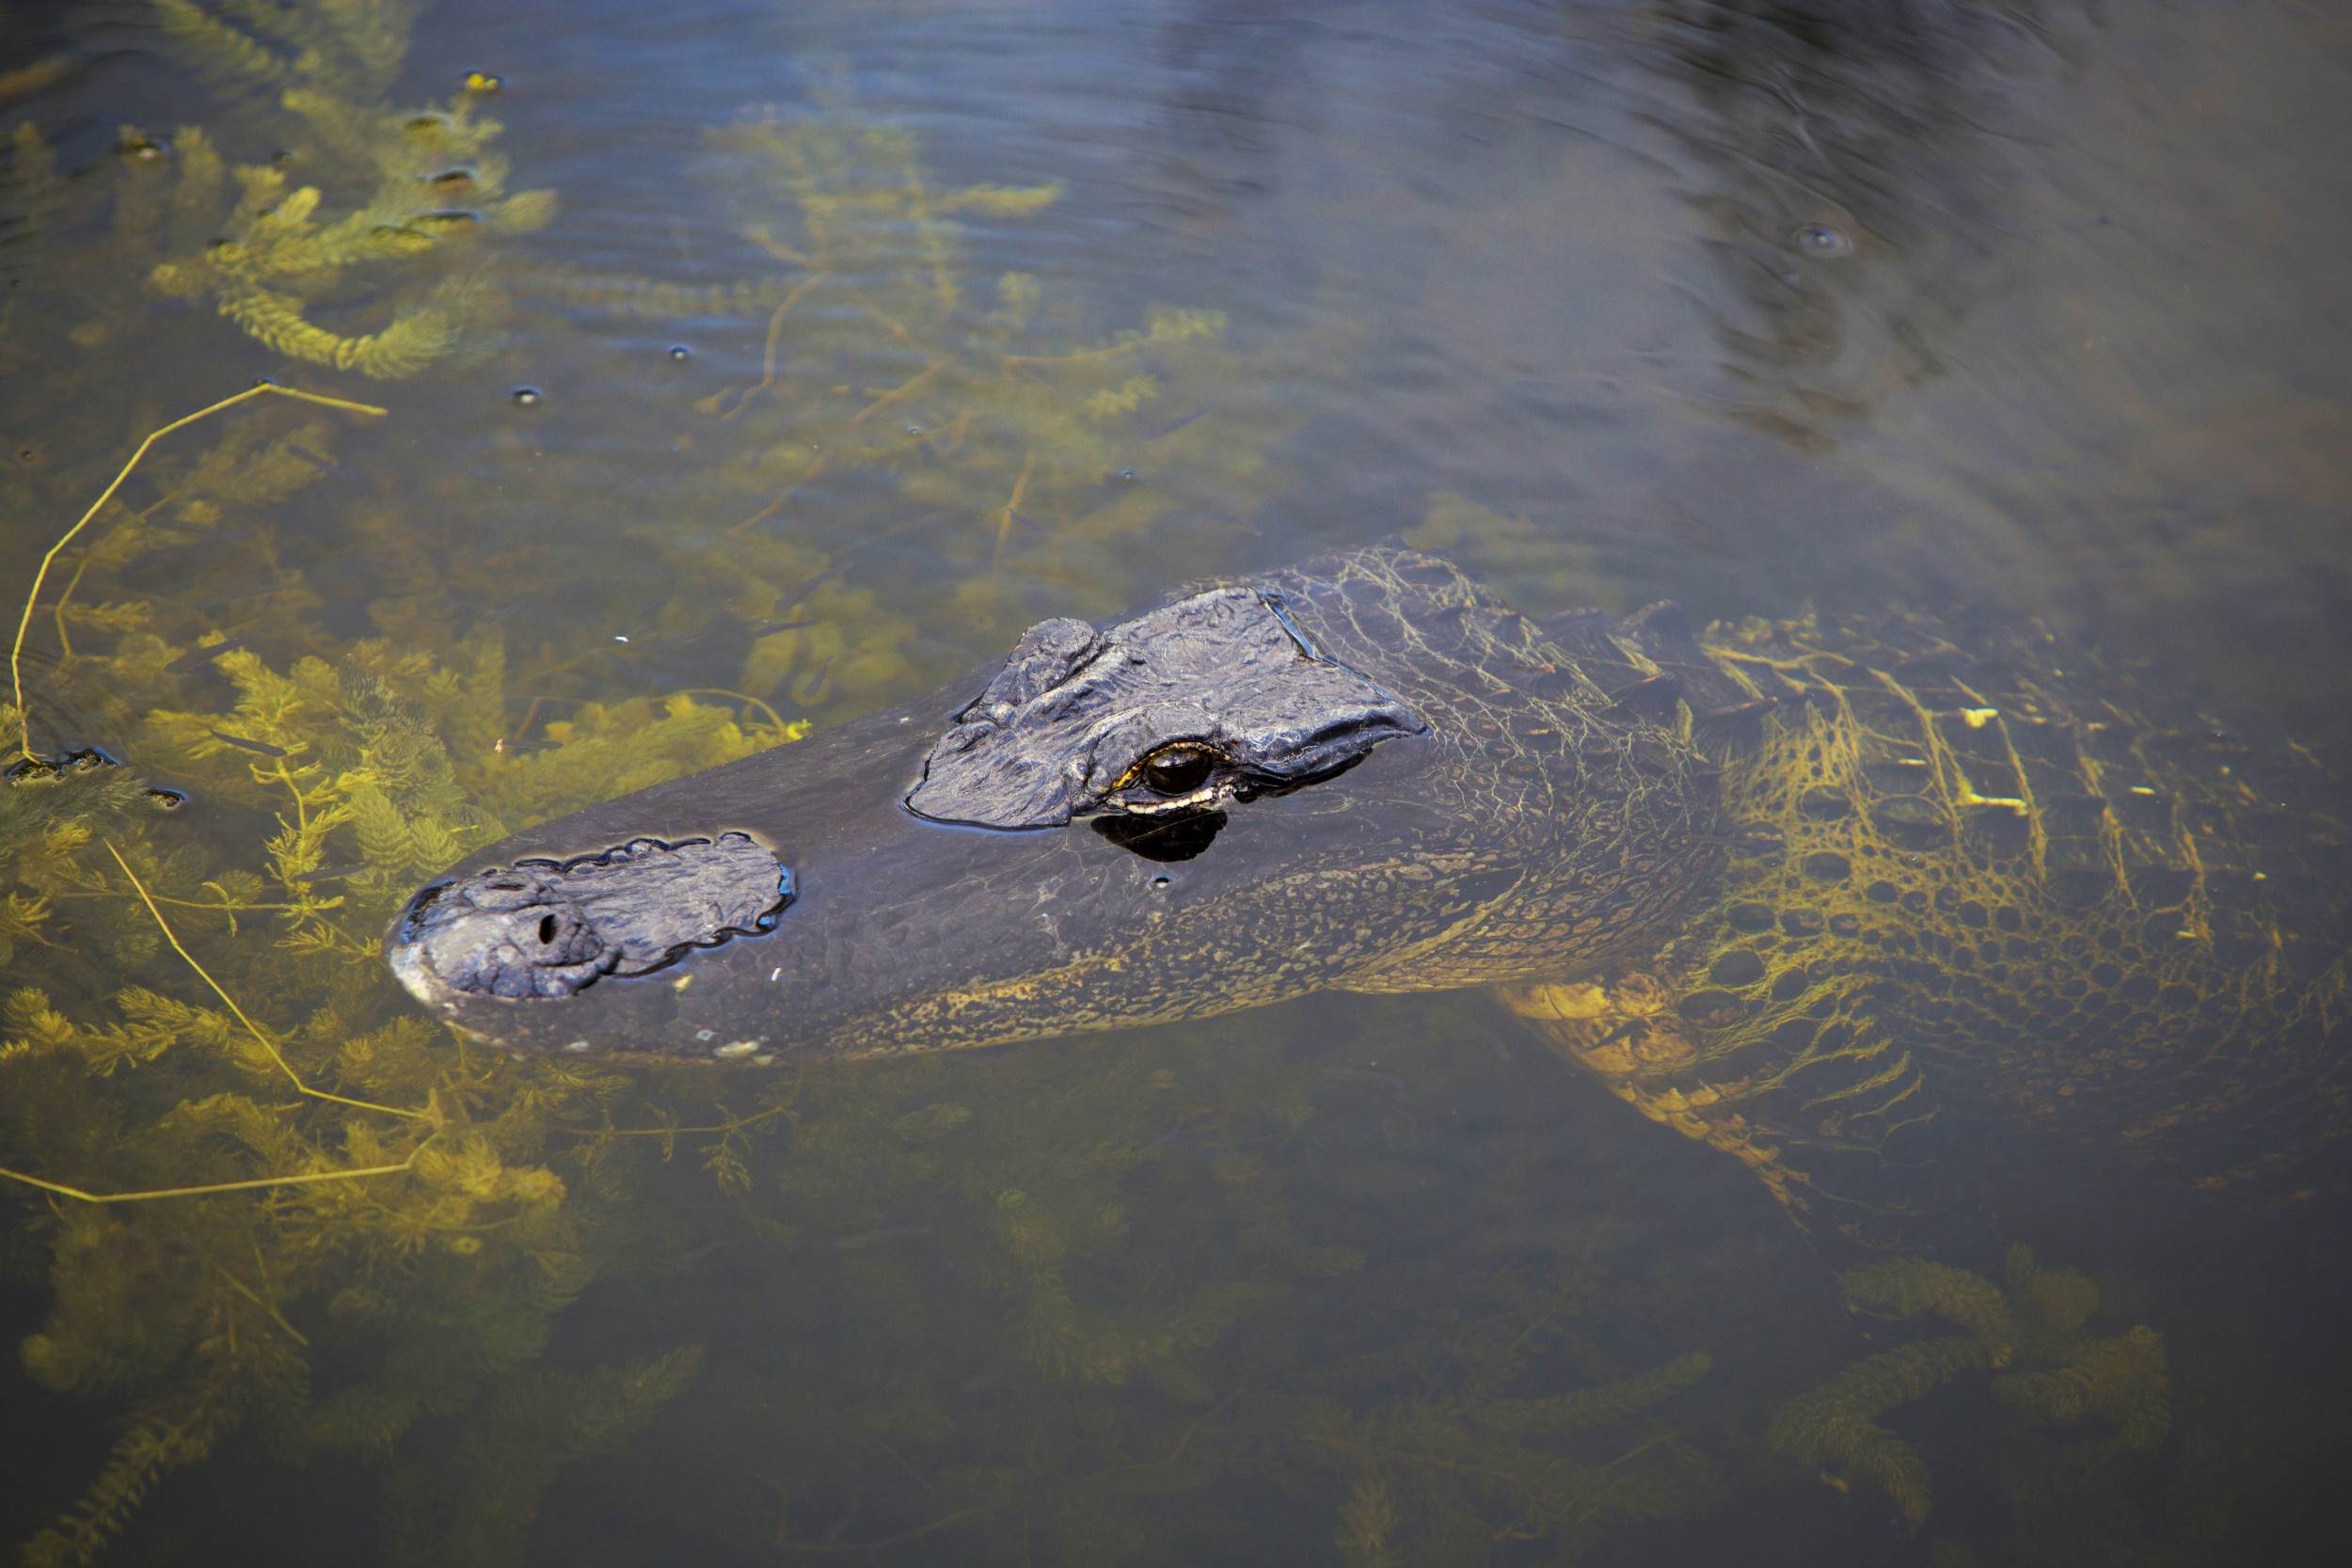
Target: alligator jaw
pixel 541 928
pixel 1314 781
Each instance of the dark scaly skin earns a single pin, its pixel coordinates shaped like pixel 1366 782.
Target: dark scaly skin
pixel 1459 855
pixel 1598 819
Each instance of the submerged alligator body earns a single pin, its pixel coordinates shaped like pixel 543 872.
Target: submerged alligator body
pixel 1800 889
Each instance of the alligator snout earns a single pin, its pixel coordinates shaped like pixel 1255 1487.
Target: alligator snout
pixel 546 928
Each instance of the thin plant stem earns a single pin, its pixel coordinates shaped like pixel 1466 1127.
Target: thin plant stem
pixel 751 1120
pixel 213 1186
pixel 16 653
pixel 775 331
pixel 775 506
pixel 252 1028
pixel 529 714
pixel 875 1545
pixel 64 641
pixel 720 691
pixel 1004 529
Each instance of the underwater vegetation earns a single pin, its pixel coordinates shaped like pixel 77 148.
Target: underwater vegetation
pixel 1086 1295
pixel 2030 1332
pixel 2075 1440
pixel 1112 1301
pixel 316 228
pixel 1038 462
pixel 257 1205
pixel 1541 567
pixel 282 1222
pixel 368 210
pixel 1112 1218
pixel 1001 401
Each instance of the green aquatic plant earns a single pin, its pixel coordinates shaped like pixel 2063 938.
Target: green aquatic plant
pixel 180 1298
pixel 471 1500
pixel 1041 439
pixel 444 1270
pixel 1040 462
pixel 343 1233
pixel 355 243
pixel 280 1216
pixel 274 258
pixel 120 537
pixel 1461 1462
pixel 412 184
pixel 350 48
pixel 1442 1422
pixel 1527 563
pixel 367 211
pixel 2032 1332
pixel 395 1203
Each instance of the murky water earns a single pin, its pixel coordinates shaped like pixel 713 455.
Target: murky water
pixel 852 339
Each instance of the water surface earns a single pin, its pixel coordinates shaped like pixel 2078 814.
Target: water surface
pixel 2033 307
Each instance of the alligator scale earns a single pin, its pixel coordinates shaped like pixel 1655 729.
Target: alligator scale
pixel 1801 889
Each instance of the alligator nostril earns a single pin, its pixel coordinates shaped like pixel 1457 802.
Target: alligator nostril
pixel 625 911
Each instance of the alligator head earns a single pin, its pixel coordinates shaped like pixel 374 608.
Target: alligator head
pixel 1321 779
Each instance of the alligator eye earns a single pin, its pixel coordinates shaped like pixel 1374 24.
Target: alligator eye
pixel 1179 771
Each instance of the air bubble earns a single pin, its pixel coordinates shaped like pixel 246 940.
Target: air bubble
pixel 1820 240
pixel 484 82
pixel 527 396
pixel 1126 476
pixel 679 351
pixel 914 430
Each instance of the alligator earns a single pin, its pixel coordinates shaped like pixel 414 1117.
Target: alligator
pixel 1814 892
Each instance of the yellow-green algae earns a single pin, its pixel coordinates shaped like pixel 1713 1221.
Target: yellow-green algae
pixel 2032 1333
pixel 360 191
pixel 400 1316
pixel 2088 1448
pixel 1139 1317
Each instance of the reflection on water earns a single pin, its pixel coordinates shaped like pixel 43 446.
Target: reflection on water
pixel 749 368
